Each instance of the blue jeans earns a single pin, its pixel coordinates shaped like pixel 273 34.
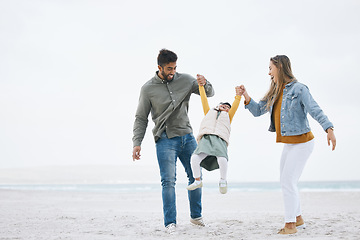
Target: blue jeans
pixel 168 150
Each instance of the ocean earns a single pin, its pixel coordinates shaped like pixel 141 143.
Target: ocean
pixel 325 186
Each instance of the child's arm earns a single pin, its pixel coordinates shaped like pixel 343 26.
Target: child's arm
pixel 204 100
pixel 236 103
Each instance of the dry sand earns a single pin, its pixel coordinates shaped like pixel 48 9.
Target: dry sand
pixel 30 214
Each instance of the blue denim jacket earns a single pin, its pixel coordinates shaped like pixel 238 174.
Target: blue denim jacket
pixel 296 103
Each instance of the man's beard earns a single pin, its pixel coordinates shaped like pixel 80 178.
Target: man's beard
pixel 166 76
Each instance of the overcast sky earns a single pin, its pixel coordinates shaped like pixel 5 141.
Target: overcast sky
pixel 71 72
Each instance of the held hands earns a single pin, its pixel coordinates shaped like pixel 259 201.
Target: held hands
pixel 136 153
pixel 331 138
pixel 239 91
pixel 245 94
pixel 201 80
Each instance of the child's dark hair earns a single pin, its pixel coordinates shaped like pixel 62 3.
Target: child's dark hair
pixel 166 56
pixel 225 103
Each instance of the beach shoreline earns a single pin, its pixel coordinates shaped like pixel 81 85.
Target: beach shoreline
pixel 45 214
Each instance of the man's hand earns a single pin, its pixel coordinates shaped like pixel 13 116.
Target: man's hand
pixel 201 80
pixel 136 153
pixel 331 138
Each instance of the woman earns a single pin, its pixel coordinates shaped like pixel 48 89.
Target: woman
pixel 289 101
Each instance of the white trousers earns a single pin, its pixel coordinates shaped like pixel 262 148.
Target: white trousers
pixel 196 160
pixel 293 160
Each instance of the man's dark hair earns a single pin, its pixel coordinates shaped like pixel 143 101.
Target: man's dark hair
pixel 166 56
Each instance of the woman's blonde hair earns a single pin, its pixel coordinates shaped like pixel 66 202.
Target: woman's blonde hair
pixel 285 76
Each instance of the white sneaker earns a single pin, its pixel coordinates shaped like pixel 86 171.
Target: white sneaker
pixel 197 221
pixel 223 186
pixel 194 185
pixel 170 228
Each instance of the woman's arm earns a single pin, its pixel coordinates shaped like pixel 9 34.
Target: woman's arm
pixel 317 113
pixel 257 109
pixel 314 109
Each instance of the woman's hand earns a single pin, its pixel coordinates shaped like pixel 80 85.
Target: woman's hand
pixel 331 138
pixel 245 94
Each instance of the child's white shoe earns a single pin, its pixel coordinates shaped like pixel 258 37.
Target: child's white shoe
pixel 223 186
pixel 196 184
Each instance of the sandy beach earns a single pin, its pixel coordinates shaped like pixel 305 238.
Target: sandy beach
pixel 44 214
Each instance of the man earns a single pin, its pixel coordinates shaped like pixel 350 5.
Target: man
pixel 167 97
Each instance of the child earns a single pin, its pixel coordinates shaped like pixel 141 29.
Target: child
pixel 213 139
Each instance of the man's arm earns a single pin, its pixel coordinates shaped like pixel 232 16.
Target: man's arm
pixel 209 90
pixel 140 124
